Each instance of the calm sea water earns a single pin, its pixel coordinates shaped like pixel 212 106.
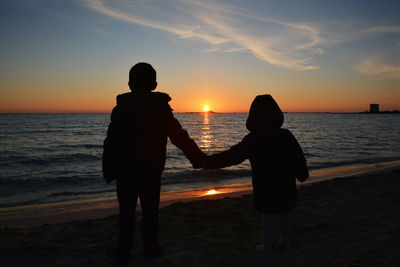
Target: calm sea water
pixel 57 157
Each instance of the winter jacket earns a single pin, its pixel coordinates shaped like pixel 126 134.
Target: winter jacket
pixel 276 160
pixel 137 136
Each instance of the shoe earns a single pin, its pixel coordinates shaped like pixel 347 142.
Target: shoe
pixel 153 250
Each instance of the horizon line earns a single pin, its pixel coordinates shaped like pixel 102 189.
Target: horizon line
pixel 199 112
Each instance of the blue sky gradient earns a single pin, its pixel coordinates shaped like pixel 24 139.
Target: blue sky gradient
pixel 67 56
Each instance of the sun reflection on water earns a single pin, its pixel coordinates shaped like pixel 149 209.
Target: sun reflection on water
pixel 206 120
pixel 206 136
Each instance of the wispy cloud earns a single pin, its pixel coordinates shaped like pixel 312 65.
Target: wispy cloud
pixel 224 27
pixel 138 15
pixel 380 30
pixel 384 63
pixel 370 67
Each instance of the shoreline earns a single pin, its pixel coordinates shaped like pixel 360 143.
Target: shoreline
pixel 63 212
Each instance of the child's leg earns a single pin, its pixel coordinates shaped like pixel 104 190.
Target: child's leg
pixel 286 227
pixel 269 232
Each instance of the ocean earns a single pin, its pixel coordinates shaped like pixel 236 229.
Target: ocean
pixel 48 158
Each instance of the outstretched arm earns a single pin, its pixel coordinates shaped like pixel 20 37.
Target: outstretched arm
pixel 233 156
pixel 180 138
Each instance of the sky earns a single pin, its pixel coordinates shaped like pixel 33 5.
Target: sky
pixel 311 56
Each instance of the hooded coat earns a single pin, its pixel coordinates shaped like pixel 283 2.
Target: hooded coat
pixel 275 156
pixel 137 136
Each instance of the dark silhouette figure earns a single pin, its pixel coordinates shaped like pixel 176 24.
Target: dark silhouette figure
pixel 135 153
pixel 276 160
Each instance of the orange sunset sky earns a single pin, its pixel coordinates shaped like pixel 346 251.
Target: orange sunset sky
pixel 312 56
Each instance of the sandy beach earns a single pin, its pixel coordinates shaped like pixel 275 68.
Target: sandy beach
pixel 340 222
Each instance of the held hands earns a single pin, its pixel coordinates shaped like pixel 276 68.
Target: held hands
pixel 200 162
pixel 204 164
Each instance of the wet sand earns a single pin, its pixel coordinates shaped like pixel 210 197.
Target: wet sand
pixel 340 222
pixel 36 215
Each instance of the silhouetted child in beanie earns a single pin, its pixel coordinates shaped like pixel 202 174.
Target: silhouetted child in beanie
pixel 276 160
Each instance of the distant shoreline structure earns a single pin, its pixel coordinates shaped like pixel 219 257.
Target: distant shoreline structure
pixel 374 109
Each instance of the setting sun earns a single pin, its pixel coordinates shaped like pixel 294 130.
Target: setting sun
pixel 212 192
pixel 206 108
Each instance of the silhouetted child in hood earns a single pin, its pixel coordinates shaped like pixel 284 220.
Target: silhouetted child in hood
pixel 276 160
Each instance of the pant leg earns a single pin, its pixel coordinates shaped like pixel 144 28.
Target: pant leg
pixel 269 231
pixel 127 198
pixel 286 227
pixel 150 202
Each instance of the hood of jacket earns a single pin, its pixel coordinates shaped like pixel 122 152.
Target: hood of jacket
pixel 264 114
